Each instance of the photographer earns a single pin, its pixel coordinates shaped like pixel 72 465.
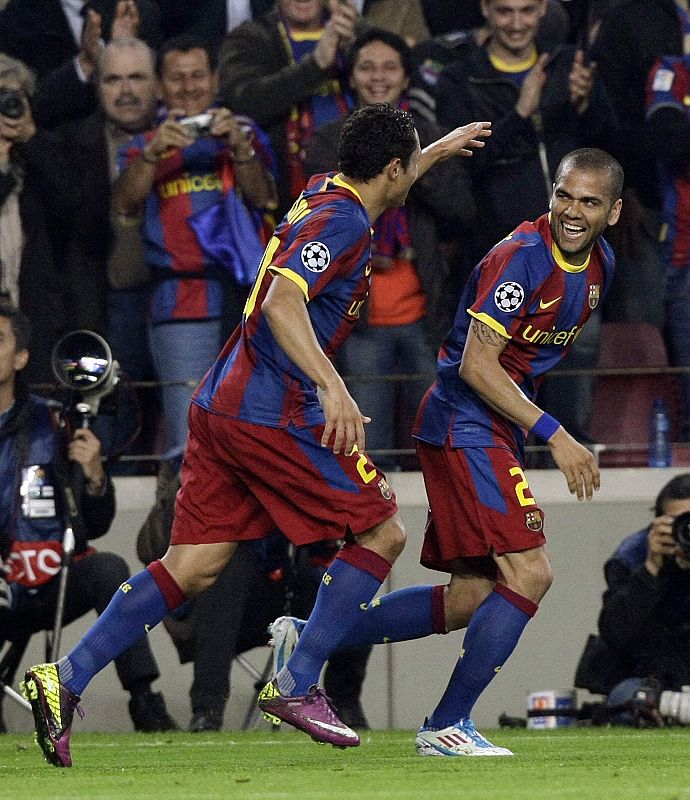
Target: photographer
pixel 199 158
pixel 38 195
pixel 52 478
pixel 645 619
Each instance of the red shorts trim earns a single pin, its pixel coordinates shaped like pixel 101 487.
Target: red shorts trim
pixel 480 505
pixel 240 481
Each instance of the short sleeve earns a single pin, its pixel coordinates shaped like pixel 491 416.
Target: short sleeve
pixel 504 290
pixel 321 248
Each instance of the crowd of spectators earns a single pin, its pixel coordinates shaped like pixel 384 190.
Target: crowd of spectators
pixel 148 146
pixel 107 201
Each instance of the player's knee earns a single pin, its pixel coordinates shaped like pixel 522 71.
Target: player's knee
pixel 535 580
pixel 193 573
pixel 387 539
pixel 395 538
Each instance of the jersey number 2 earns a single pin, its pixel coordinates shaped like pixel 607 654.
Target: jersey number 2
pixel 520 488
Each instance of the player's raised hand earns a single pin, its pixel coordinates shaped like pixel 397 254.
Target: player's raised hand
pixel 459 142
pixel 576 463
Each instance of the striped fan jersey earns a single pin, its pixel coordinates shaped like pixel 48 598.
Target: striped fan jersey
pixel 187 181
pixel 669 86
pixel 323 244
pixel 526 291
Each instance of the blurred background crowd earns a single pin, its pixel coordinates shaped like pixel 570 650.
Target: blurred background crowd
pixel 116 218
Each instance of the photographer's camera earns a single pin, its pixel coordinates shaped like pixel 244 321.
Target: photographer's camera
pixel 11 103
pixel 681 532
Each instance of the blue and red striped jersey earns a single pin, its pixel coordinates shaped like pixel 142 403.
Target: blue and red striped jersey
pixel 187 181
pixel 525 290
pixel 669 86
pixel 323 244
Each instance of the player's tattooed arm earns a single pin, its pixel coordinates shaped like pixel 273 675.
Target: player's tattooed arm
pixel 482 369
pixel 487 335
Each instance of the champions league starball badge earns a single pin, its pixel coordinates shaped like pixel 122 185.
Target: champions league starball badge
pixel 509 296
pixel 315 256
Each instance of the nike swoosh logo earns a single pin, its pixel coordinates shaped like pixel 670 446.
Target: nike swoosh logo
pixel 548 304
pixel 333 728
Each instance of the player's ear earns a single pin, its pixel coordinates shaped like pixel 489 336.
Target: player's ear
pixel 394 168
pixel 615 212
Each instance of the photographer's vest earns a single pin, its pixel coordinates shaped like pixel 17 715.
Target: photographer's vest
pixel 30 498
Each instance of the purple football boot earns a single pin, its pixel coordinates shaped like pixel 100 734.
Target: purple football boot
pixel 312 714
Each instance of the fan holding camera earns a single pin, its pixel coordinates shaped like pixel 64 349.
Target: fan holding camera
pixel 55 497
pixel 644 623
pixel 202 181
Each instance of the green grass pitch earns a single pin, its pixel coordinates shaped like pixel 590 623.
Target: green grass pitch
pixel 567 764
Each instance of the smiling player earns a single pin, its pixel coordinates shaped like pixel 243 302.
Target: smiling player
pixel 523 306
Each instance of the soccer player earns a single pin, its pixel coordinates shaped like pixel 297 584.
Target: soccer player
pixel 275 438
pixel 523 306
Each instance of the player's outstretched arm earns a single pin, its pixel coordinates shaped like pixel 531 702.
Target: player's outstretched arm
pixel 482 370
pixel 459 142
pixel 286 312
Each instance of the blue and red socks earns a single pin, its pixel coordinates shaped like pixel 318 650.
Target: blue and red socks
pixel 350 582
pixel 491 636
pixel 137 606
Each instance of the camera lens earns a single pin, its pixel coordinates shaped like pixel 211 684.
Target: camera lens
pixel 11 103
pixel 681 531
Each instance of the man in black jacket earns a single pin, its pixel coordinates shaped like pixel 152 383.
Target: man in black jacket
pixel 644 623
pixel 103 297
pixel 645 616
pixel 52 478
pixel 60 42
pixel 542 103
pixel 285 71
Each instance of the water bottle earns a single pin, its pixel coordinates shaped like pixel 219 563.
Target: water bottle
pixel 660 445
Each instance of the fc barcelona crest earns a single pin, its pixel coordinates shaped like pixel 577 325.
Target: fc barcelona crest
pixel 385 489
pixel 534 520
pixel 594 291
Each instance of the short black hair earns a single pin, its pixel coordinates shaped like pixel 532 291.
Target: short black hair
pixel 394 41
pixel 19 322
pixel 184 43
pixel 676 489
pixel 371 137
pixel 592 159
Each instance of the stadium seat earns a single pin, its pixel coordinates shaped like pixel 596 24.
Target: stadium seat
pixel 622 404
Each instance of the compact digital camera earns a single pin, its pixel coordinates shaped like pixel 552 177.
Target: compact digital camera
pixel 198 124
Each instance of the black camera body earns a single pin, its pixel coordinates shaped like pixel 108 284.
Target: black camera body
pixel 681 532
pixel 11 103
